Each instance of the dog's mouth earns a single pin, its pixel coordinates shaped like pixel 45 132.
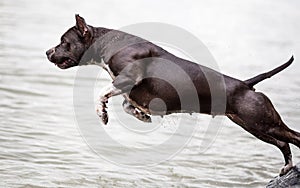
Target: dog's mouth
pixel 66 63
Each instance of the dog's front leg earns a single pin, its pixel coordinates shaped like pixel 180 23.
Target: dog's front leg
pixel 121 84
pixel 130 109
pixel 130 76
pixel 101 108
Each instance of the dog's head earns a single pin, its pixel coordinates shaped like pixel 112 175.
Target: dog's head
pixel 72 46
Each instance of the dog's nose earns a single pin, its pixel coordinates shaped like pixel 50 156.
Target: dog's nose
pixel 50 52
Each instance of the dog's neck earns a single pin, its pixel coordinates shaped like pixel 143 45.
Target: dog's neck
pixel 92 55
pixel 107 42
pixel 99 32
pixel 95 57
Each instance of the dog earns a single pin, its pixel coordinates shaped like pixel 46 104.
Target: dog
pixel 133 64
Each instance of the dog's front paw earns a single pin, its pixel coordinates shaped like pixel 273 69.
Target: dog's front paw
pixel 142 116
pixel 102 113
pixel 104 118
pixel 101 110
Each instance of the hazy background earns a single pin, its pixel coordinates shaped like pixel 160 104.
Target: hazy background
pixel 40 144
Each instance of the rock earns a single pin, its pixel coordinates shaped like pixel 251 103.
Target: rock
pixel 291 179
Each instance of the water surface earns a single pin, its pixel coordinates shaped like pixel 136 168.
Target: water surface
pixel 40 143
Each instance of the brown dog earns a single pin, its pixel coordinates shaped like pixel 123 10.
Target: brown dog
pixel 134 69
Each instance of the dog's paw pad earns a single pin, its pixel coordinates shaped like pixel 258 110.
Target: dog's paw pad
pixel 104 118
pixel 102 113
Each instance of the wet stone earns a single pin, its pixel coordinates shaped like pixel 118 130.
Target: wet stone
pixel 291 179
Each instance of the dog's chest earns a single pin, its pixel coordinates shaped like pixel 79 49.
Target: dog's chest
pixel 126 96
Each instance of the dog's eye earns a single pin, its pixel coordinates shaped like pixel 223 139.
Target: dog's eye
pixel 65 44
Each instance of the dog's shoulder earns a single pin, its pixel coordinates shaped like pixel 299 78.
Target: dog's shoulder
pixel 121 44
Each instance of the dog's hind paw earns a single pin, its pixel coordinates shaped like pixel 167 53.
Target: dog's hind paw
pixel 285 169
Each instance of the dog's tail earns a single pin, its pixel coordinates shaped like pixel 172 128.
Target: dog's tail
pixel 252 81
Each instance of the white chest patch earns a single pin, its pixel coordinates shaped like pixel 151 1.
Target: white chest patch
pixel 126 96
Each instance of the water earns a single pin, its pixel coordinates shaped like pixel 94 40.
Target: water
pixel 41 145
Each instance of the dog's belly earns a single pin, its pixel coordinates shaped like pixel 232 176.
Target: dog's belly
pixel 156 97
pixel 172 84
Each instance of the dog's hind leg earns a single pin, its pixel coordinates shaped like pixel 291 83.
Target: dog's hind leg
pixel 274 126
pixel 284 133
pixel 255 113
pixel 130 109
pixel 283 146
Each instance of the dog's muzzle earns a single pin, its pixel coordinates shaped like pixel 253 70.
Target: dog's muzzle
pixel 50 52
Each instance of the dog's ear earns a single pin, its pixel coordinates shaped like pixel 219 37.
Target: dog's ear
pixel 82 27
